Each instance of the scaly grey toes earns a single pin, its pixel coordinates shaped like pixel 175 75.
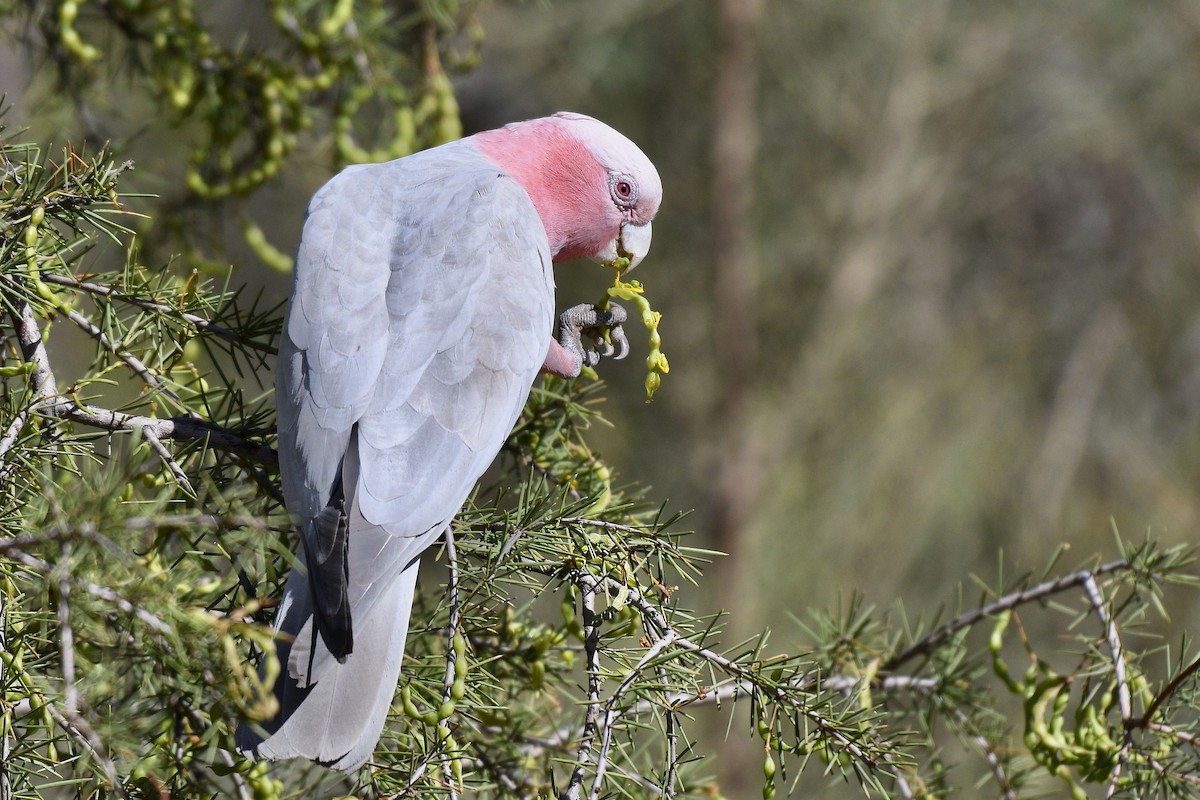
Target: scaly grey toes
pixel 592 322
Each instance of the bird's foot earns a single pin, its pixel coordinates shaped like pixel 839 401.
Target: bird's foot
pixel 586 321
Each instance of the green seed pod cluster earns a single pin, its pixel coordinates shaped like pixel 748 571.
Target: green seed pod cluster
pixel 1076 745
pixel 372 75
pixel 632 291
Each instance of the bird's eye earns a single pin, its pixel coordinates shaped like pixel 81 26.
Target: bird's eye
pixel 624 190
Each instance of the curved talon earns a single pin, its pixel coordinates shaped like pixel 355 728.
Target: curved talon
pixel 618 335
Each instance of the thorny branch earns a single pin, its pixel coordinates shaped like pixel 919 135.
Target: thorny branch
pixel 198 322
pixel 451 652
pixel 1124 700
pixel 590 586
pixel 49 402
pixel 591 649
pixel 929 642
pixel 133 362
pixel 73 720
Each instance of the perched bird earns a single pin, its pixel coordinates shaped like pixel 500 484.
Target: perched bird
pixel 422 311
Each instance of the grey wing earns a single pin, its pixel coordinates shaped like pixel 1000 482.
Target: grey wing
pixel 439 363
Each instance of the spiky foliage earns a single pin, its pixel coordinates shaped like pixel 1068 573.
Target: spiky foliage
pixel 552 653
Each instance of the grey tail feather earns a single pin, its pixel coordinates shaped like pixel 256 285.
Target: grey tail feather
pixel 337 719
pixel 326 552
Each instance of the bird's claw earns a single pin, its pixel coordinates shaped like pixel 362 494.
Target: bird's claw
pixel 586 320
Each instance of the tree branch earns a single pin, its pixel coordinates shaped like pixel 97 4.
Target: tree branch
pixel 591 648
pixel 50 403
pixel 927 643
pixel 198 322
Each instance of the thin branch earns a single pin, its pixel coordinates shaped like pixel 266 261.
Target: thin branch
pixel 169 460
pixel 731 691
pixel 134 363
pixel 1183 736
pixel 672 734
pixel 86 738
pixel 1124 701
pixel 1146 720
pixel 50 403
pixel 927 643
pixel 610 712
pixel 5 786
pixel 451 654
pixel 999 772
pixel 591 647
pixel 9 439
pixel 101 592
pixel 604 524
pixel 591 585
pixel 33 351
pixel 200 323
pixel 180 428
pixel 70 711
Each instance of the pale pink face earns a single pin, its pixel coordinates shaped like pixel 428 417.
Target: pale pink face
pixel 595 191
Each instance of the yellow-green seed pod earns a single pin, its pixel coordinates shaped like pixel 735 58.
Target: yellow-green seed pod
pixel 410 710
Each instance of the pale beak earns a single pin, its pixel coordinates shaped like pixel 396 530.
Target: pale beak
pixel 635 242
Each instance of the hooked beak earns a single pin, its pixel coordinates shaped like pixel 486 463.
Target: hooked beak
pixel 634 243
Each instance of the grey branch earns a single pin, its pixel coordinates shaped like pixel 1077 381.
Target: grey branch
pixel 133 362
pixel 51 403
pixel 610 707
pixel 590 586
pixel 1009 601
pixel 1124 700
pixel 451 654
pixel 198 322
pixel 591 647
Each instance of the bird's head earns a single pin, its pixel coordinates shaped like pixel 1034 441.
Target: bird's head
pixel 594 190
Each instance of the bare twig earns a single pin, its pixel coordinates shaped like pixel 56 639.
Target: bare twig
pixel 591 648
pixel 33 351
pixel 134 363
pixel 672 735
pixel 1124 700
pixel 101 592
pixel 451 653
pixel 50 403
pixel 1146 720
pixel 175 428
pixel 989 755
pixel 9 439
pixel 169 460
pixel 610 710
pixel 80 727
pixel 5 786
pixel 927 643
pixel 591 585
pixel 200 323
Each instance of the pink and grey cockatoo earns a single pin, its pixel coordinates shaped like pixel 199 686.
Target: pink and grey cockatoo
pixel 422 311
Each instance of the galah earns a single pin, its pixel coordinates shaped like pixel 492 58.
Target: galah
pixel 422 311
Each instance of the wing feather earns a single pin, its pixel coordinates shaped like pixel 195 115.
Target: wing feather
pixel 421 314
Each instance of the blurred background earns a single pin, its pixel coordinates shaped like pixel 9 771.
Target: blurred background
pixel 929 275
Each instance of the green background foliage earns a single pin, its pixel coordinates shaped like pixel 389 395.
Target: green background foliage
pixel 963 286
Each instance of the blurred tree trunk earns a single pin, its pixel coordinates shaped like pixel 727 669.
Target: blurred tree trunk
pixel 736 473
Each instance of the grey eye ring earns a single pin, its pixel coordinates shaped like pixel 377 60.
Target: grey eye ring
pixel 624 189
